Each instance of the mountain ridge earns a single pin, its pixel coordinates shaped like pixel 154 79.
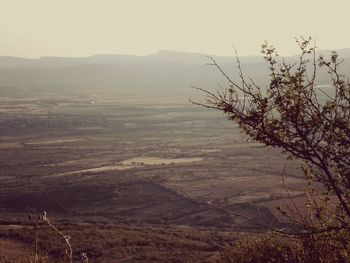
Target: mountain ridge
pixel 163 55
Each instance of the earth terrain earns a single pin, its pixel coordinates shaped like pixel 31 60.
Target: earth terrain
pixel 164 173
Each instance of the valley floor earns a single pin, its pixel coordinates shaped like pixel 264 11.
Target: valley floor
pixel 140 181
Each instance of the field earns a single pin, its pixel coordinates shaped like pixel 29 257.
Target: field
pixel 173 176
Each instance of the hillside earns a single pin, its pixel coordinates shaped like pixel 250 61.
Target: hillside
pixel 109 145
pixel 164 74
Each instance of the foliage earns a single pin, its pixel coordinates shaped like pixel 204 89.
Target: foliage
pixel 291 114
pixel 109 242
pixel 324 248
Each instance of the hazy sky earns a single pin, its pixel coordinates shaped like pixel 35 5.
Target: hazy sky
pixel 34 28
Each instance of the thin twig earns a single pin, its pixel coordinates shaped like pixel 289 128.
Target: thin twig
pixel 65 237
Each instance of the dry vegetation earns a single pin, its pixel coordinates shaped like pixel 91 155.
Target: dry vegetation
pixel 157 183
pixel 121 243
pixel 100 168
pixel 296 115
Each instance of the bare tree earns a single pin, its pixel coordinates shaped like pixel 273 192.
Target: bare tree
pixel 288 114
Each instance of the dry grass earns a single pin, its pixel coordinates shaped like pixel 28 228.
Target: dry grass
pixel 123 243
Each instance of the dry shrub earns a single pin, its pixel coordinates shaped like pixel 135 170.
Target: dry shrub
pixel 325 247
pixel 264 248
pixel 27 259
pixel 293 113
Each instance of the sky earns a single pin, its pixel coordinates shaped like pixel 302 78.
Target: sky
pixel 76 28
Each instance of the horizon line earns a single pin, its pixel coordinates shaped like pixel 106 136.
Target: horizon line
pixel 155 53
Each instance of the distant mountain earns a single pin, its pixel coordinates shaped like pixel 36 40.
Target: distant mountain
pixel 10 62
pixel 195 58
pixel 13 62
pixel 165 73
pixel 161 56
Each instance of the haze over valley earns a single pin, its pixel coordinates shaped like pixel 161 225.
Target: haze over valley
pixel 106 150
pixel 113 139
